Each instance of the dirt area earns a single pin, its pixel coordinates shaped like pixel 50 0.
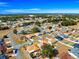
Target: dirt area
pixel 4 32
pixel 17 39
pixel 12 58
pixel 75 26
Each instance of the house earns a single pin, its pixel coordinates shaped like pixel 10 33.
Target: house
pixel 2 50
pixel 44 41
pixel 7 41
pixel 74 52
pixel 2 46
pixel 32 48
pixel 3 57
pixel 29 36
pixel 59 38
pixel 76 45
pixel 65 56
pixel 30 51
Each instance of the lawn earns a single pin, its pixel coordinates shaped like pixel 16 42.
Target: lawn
pixel 69 43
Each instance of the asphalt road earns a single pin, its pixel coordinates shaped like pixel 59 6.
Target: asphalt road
pixel 15 46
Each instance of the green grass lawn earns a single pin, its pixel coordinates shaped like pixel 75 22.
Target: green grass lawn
pixel 69 43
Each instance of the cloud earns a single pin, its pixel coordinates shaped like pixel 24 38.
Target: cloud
pixel 21 10
pixel 65 11
pixel 35 9
pixel 41 11
pixel 3 4
pixel 15 11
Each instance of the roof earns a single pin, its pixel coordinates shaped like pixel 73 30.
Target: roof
pixel 76 45
pixel 3 57
pixel 59 38
pixel 1 41
pixel 44 40
pixel 64 35
pixel 29 35
pixel 3 48
pixel 32 48
pixel 65 56
pixel 75 51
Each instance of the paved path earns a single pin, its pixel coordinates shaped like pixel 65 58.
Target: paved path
pixel 16 46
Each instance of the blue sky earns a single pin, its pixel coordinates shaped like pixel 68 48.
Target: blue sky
pixel 39 6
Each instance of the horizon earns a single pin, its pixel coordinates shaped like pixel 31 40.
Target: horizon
pixel 39 6
pixel 39 14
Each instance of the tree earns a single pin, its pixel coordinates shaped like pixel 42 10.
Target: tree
pixel 4 28
pixel 15 31
pixel 48 50
pixel 38 23
pixel 49 20
pixel 50 27
pixel 68 22
pixel 45 21
pixel 35 30
pixel 5 36
pixel 57 20
pixel 24 32
pixel 32 55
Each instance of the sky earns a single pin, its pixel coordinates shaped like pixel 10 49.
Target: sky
pixel 39 6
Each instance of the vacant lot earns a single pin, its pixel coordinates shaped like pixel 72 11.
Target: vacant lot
pixel 4 32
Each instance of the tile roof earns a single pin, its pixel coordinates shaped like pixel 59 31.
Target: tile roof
pixel 32 48
pixel 44 40
pixel 30 35
pixel 3 48
pixel 65 56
